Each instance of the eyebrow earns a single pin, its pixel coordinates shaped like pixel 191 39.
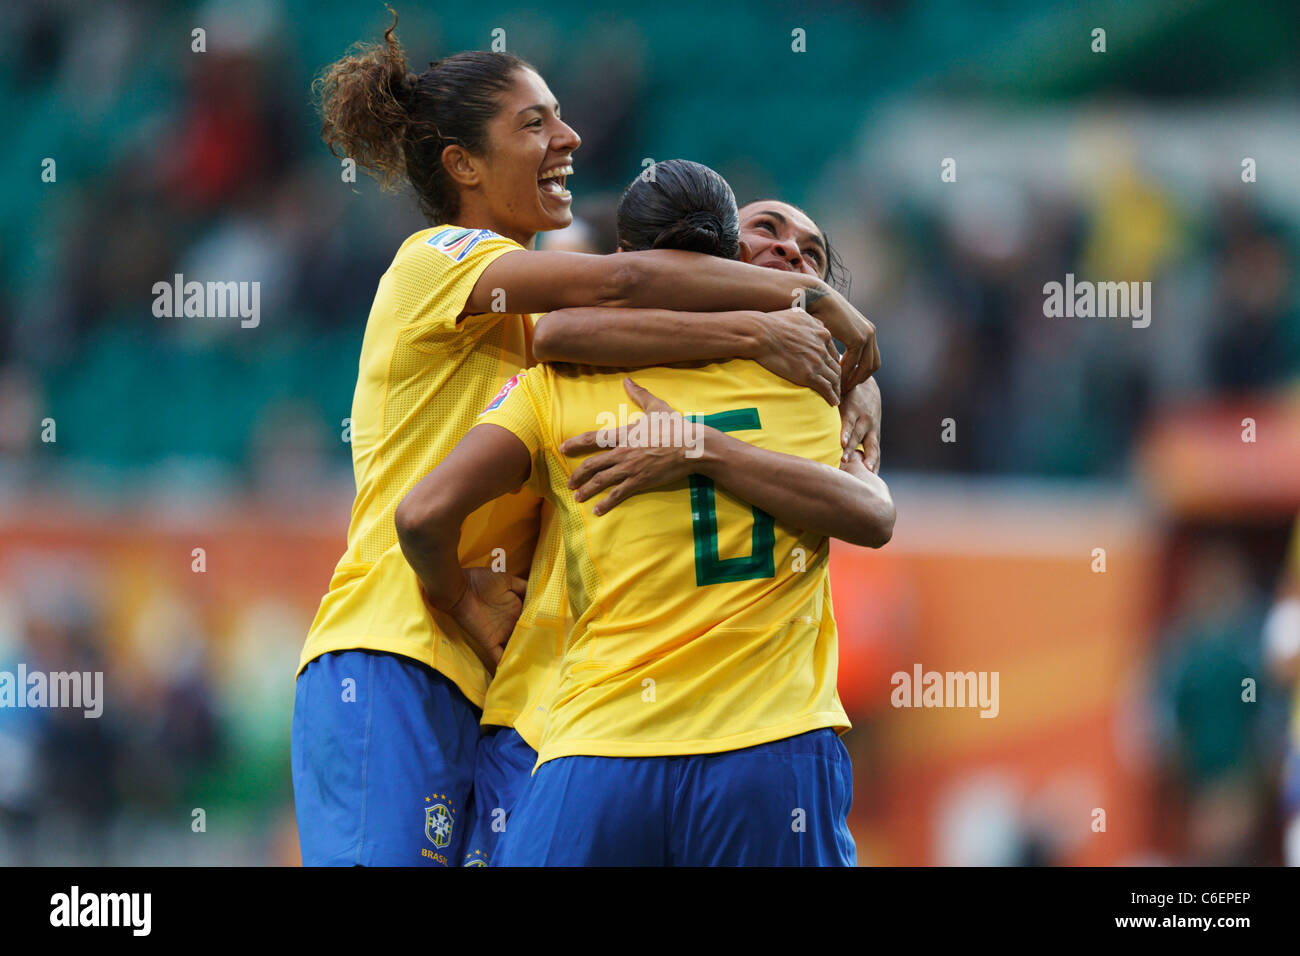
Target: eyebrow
pixel 782 219
pixel 539 107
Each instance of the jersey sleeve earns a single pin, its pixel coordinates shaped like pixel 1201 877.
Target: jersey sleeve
pixel 521 408
pixel 433 278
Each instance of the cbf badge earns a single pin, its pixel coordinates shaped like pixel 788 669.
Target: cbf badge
pixel 438 820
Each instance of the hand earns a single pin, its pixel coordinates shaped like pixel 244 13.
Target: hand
pixel 801 350
pixel 860 423
pixel 861 357
pixel 629 468
pixel 487 612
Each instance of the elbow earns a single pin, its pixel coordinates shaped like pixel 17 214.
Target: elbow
pixel 409 522
pixel 416 518
pixel 877 527
pixel 623 285
pixel 559 336
pixel 545 339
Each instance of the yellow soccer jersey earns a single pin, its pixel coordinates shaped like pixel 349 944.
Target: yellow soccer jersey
pixel 521 692
pixel 423 379
pixel 699 623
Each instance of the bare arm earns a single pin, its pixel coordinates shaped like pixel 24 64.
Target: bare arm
pixel 789 343
pixel 535 281
pixel 487 463
pixel 849 503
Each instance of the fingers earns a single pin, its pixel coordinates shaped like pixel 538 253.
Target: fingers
pixel 601 480
pixel 851 373
pixel 825 386
pixel 581 444
pixel 831 370
pixel 828 345
pixel 637 393
pixel 643 397
pixel 854 433
pixel 825 339
pixel 611 500
pixel 591 466
pixel 825 378
pixel 873 457
pixel 622 483
pixel 518 585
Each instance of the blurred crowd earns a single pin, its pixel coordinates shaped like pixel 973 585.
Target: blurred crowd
pixel 186 760
pixel 959 298
pixel 207 165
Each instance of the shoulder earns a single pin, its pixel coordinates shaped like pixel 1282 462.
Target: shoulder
pixel 531 382
pixel 449 250
pixel 461 244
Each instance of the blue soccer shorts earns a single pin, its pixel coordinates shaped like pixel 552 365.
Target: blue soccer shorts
pixel 383 751
pixel 501 772
pixel 783 803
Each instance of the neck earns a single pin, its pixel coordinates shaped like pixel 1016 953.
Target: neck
pixel 473 215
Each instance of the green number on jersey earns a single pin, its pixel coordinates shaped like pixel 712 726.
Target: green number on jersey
pixel 709 567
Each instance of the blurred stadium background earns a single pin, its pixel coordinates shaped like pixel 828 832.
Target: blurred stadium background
pixel 1119 690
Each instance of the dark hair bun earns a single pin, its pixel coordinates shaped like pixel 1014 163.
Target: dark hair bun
pixel 685 206
pixel 695 232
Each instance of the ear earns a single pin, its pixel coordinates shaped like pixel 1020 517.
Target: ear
pixel 746 253
pixel 461 166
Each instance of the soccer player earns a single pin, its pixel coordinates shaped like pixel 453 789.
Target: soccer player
pixel 389 689
pixel 695 714
pixel 773 234
pixel 778 235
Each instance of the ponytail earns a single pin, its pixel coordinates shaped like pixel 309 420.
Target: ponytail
pixel 396 123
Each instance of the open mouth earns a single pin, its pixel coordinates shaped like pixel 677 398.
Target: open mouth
pixel 551 182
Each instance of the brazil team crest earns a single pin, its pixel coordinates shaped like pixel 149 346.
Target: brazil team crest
pixel 439 820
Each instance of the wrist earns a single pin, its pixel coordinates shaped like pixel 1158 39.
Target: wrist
pixel 708 459
pixel 816 296
pixel 456 598
pixel 755 335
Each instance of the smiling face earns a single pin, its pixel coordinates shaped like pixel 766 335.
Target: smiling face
pixel 781 236
pixel 517 188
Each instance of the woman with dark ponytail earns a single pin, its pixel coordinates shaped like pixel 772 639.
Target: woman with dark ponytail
pixel 390 683
pixel 684 205
pixel 739 653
